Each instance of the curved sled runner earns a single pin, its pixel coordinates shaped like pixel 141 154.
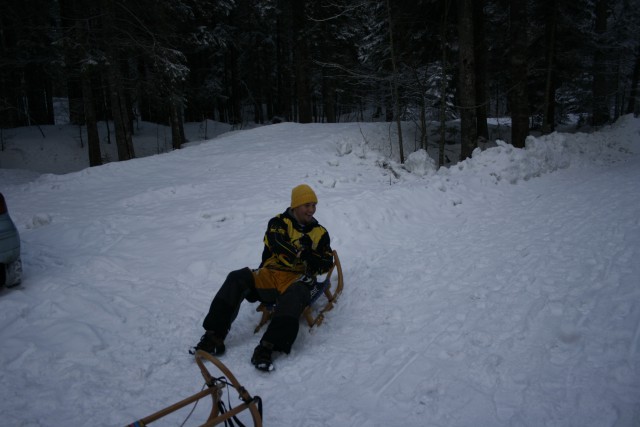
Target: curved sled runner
pixel 215 388
pixel 313 316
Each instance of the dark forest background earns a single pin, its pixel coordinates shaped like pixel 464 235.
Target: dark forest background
pixel 241 61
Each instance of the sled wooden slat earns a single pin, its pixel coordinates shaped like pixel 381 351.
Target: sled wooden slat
pixel 179 405
pixel 214 389
pixel 313 317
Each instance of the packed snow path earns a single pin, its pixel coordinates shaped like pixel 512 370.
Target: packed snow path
pixel 485 295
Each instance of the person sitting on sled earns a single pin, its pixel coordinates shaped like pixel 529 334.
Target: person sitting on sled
pixel 296 249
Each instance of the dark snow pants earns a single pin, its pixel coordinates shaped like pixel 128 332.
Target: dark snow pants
pixel 239 286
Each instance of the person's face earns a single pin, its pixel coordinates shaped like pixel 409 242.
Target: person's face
pixel 304 213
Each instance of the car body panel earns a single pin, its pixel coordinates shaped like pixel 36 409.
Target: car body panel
pixel 10 261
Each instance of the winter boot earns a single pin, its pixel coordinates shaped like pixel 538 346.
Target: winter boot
pixel 261 358
pixel 210 343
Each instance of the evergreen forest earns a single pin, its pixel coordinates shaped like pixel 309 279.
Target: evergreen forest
pixel 318 61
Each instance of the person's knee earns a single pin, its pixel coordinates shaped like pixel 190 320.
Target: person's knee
pixel 241 278
pixel 301 292
pixel 293 301
pixel 237 285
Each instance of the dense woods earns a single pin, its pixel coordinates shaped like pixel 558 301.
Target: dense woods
pixel 240 61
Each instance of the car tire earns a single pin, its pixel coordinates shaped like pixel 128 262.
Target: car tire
pixel 11 274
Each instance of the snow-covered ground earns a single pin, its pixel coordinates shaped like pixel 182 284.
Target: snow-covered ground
pixel 502 291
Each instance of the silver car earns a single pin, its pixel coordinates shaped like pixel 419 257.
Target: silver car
pixel 10 263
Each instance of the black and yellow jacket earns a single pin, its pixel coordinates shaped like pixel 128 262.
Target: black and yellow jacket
pixel 283 241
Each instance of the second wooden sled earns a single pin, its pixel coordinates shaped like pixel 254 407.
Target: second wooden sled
pixel 215 387
pixel 330 287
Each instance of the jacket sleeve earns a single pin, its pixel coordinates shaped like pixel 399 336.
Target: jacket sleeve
pixel 278 241
pixel 322 257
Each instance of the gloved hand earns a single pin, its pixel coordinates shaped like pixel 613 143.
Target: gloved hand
pixel 311 261
pixel 305 242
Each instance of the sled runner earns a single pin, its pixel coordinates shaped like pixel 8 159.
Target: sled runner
pixel 215 386
pixel 313 316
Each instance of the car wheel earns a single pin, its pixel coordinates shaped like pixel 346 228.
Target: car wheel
pixel 12 273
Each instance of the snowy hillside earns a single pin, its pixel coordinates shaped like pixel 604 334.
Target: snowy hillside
pixel 500 292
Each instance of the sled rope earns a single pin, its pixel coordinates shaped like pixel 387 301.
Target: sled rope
pixel 229 422
pixel 192 409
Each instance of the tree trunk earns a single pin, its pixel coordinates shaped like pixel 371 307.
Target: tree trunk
pixel 235 101
pixel 38 91
pixel 121 121
pixel 121 124
pixel 329 99
pixel 548 121
pixel 282 110
pixel 9 95
pixel 443 85
pixel 301 58
pixel 174 118
pixel 631 108
pixel 9 74
pixel 93 137
pixel 480 55
pixel 70 18
pixel 388 104
pixel 519 98
pixel 615 88
pixel 394 84
pixel 467 83
pixel 423 123
pixel 600 102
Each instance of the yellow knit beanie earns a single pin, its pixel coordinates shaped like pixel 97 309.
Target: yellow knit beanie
pixel 302 194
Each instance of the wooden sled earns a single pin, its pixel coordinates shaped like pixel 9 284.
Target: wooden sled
pixel 314 317
pixel 214 389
